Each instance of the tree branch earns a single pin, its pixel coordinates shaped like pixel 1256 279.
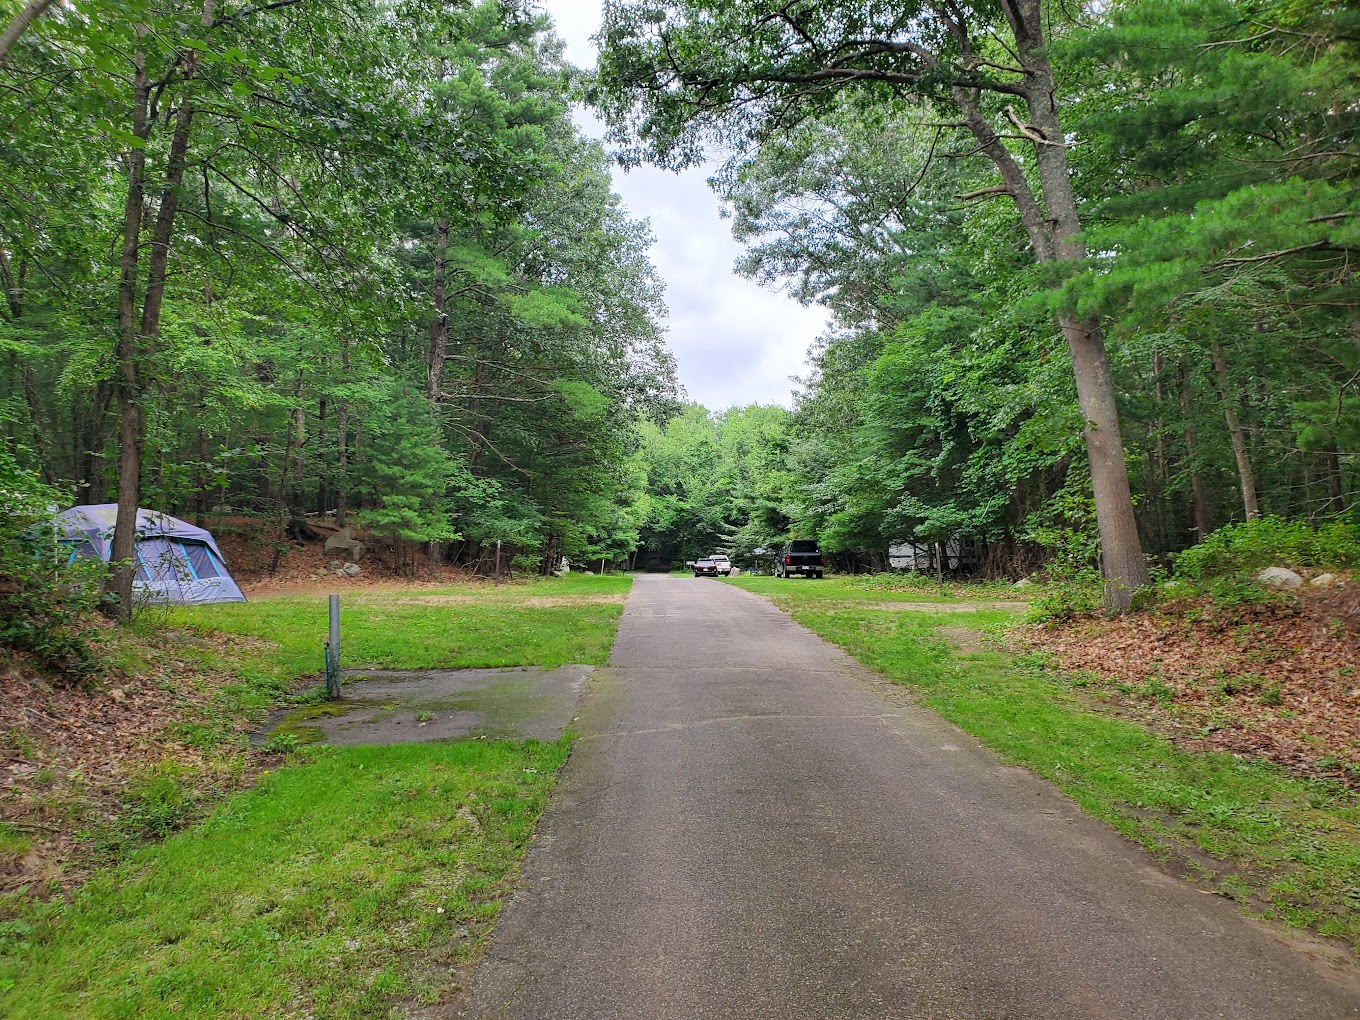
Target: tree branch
pixel 994 191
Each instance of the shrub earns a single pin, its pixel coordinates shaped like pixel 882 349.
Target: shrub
pixel 44 601
pixel 1074 594
pixel 1244 549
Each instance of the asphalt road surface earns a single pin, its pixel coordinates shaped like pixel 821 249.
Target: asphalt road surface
pixel 752 826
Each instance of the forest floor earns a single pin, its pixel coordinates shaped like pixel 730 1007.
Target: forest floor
pixel 1278 680
pixel 264 563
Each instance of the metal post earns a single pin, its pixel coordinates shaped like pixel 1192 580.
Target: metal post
pixel 333 651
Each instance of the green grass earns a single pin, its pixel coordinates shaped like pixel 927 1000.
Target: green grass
pixel 1286 846
pixel 841 588
pixel 346 883
pixel 495 627
pixel 333 889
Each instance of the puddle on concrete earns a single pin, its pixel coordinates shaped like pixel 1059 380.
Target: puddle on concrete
pixel 414 706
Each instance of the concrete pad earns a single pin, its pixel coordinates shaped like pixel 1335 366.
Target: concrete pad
pixel 404 707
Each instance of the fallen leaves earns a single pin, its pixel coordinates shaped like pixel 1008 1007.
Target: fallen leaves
pixel 1280 681
pixel 68 751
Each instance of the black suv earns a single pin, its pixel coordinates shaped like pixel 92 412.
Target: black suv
pixel 801 556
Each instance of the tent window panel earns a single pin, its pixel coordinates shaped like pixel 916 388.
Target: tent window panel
pixel 202 560
pixel 80 551
pixel 164 561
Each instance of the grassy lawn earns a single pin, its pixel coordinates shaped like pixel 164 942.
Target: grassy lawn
pixel 862 588
pixel 549 622
pixel 335 888
pixel 1287 847
pixel 346 883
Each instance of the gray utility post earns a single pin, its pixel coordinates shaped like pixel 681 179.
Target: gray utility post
pixel 333 651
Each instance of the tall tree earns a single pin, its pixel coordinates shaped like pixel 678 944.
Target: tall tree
pixel 675 75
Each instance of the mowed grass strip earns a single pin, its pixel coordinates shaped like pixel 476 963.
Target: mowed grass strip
pixel 839 589
pixel 334 889
pixel 1287 847
pixel 549 623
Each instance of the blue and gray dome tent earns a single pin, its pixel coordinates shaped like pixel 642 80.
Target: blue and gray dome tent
pixel 176 562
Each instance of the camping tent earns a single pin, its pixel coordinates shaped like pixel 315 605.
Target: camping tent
pixel 176 562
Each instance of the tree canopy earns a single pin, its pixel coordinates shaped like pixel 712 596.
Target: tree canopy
pixel 350 257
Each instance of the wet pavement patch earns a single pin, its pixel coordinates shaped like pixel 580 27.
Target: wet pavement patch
pixel 415 706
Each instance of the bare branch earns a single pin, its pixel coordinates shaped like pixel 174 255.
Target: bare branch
pixel 1028 131
pixel 994 191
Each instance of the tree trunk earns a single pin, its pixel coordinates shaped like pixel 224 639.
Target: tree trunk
pixel 24 371
pixel 1121 552
pixel 134 344
pixel 204 475
pixel 439 328
pixel 129 385
pixel 1236 432
pixel 322 496
pixel 341 485
pixel 297 525
pixel 1199 495
pixel 1336 501
pixel 32 11
pixel 1055 235
pixel 91 484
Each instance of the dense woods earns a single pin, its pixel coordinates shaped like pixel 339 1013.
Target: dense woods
pixel 1089 267
pixel 299 257
pixel 1040 228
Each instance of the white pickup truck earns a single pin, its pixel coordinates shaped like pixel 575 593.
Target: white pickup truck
pixel 712 566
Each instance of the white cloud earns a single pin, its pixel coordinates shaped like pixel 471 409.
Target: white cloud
pixel 734 342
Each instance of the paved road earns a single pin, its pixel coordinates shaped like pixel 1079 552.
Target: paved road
pixel 753 827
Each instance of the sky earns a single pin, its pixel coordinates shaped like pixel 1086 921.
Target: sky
pixel 734 342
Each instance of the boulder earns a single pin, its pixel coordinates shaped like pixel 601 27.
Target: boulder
pixel 1325 581
pixel 1279 577
pixel 344 543
pixel 351 570
pixel 1024 582
pixel 334 564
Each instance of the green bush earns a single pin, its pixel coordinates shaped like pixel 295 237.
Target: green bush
pixel 45 603
pixel 1244 549
pixel 1073 594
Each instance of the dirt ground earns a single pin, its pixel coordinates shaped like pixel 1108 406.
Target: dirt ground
pixel 1280 680
pixel 74 756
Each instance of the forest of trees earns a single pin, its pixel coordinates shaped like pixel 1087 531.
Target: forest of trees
pixel 1088 267
pixel 1162 196
pixel 298 257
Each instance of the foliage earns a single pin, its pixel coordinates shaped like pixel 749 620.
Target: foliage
pixel 1242 549
pixel 1213 155
pixel 44 599
pixel 1066 598
pixel 401 289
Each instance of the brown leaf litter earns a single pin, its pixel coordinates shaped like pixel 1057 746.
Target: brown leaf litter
pixel 1280 680
pixel 70 752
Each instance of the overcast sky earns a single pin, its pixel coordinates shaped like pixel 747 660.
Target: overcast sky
pixel 735 342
